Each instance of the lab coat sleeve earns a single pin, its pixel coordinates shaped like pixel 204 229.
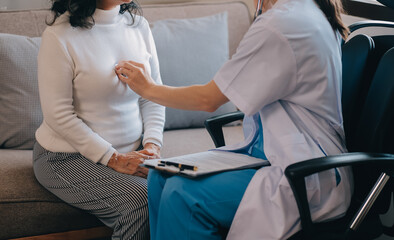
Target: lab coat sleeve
pixel 262 70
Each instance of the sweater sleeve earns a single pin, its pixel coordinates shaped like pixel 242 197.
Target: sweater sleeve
pixel 153 115
pixel 55 77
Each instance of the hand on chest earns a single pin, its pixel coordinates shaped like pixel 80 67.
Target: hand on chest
pixel 95 63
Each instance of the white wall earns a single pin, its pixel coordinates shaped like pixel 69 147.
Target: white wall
pixel 40 4
pixel 23 4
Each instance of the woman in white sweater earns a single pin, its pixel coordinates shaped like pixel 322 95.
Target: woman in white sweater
pixel 87 146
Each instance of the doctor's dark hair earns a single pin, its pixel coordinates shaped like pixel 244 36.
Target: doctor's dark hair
pixel 81 11
pixel 333 9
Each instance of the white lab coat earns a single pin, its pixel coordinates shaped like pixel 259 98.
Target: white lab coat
pixel 288 69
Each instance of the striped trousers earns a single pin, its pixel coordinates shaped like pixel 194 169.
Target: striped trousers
pixel 118 200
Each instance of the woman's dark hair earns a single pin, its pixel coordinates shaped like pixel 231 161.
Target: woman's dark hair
pixel 81 11
pixel 333 9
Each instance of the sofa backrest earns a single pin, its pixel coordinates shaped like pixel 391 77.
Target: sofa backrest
pixel 32 23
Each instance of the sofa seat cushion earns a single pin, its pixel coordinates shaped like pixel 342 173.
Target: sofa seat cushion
pixel 23 200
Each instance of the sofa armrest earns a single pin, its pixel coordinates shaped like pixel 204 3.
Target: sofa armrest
pixel 214 126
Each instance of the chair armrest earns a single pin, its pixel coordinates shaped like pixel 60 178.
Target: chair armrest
pixel 370 23
pixel 297 172
pixel 214 126
pixel 387 3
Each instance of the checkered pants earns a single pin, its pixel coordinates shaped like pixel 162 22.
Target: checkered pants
pixel 118 200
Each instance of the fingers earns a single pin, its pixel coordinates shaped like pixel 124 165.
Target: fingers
pixel 149 154
pixel 138 174
pixel 152 150
pixel 141 172
pixel 123 74
pixel 129 163
pixel 134 65
pixel 146 152
pixel 142 155
pixel 131 64
pixel 153 156
pixel 145 155
pixel 126 72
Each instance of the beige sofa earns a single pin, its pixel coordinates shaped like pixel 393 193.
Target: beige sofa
pixel 27 209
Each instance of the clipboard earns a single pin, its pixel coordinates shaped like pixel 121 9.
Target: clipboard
pixel 205 163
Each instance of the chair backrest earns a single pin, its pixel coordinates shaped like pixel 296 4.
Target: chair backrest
pixel 361 57
pixel 356 54
pixel 375 134
pixel 370 127
pixel 375 131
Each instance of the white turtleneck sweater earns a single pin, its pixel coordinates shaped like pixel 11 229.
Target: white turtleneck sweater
pixel 86 108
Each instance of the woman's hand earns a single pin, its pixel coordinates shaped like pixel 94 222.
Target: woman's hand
pixel 135 75
pixel 152 150
pixel 128 163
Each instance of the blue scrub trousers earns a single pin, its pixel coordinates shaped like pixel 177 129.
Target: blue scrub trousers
pixel 184 208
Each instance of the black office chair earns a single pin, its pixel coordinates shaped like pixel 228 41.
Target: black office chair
pixel 369 117
pixel 371 132
pixel 375 134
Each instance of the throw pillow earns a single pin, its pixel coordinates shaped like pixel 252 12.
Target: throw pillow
pixel 20 111
pixel 191 51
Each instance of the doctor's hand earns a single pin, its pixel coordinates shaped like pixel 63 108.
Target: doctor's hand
pixel 128 163
pixel 135 75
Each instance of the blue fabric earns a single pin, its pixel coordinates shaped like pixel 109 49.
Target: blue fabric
pixel 256 147
pixel 337 176
pixel 183 208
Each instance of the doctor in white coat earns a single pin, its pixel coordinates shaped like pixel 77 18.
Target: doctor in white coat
pixel 286 77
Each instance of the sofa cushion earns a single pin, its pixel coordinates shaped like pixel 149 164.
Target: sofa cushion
pixel 190 52
pixel 22 198
pixel 19 101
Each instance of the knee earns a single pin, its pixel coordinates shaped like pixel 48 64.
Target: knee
pixel 154 177
pixel 134 210
pixel 132 199
pixel 179 189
